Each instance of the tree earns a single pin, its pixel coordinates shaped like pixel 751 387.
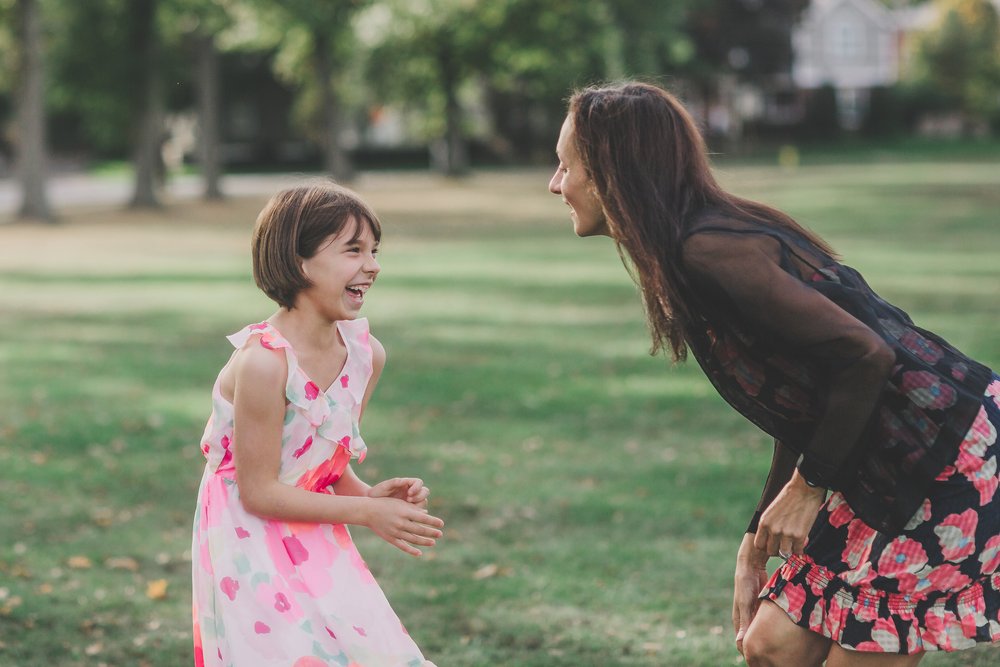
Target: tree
pixel 208 114
pixel 30 102
pixel 961 58
pixel 739 41
pixel 198 26
pixel 518 58
pixel 423 56
pixel 146 158
pixel 315 48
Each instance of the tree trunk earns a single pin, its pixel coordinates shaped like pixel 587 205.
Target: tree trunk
pixel 208 116
pixel 456 156
pixel 31 152
pixel 147 160
pixel 335 159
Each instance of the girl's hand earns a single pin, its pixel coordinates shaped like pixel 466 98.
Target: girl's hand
pixel 785 524
pixel 410 489
pixel 402 524
pixel 751 577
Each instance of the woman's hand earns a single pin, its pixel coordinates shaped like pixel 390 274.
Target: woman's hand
pixel 751 576
pixel 785 523
pixel 402 524
pixel 410 489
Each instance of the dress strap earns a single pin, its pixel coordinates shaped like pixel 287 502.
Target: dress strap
pixel 270 337
pixel 358 369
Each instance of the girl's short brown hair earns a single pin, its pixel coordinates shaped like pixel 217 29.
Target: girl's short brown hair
pixel 293 225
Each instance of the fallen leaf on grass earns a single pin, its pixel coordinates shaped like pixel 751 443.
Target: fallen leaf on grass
pixel 156 589
pixel 10 605
pixel 486 571
pixel 94 649
pixel 122 563
pixel 491 570
pixel 79 563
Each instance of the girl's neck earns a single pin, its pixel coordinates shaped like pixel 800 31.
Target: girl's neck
pixel 305 330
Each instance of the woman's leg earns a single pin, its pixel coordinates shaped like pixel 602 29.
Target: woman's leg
pixel 774 640
pixel 841 657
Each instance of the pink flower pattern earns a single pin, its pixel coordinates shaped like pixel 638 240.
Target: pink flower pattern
pixel 285 593
pixel 936 586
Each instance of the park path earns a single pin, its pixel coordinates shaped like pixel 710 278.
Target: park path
pixel 74 190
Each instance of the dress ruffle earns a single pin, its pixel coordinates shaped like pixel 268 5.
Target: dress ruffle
pixel 305 396
pixel 889 622
pixel 933 587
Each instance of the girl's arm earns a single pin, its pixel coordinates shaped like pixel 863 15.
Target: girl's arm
pixel 259 408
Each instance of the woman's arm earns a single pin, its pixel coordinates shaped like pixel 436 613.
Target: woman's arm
pixel 259 408
pixel 774 303
pixel 782 465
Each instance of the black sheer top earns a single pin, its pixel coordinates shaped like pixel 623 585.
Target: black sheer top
pixel 800 345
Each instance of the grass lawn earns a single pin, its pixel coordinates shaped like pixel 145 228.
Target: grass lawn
pixel 594 496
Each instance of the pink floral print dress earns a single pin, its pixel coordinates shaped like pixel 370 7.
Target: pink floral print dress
pixel 935 586
pixel 271 593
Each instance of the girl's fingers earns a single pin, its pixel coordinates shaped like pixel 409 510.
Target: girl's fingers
pixel 406 548
pixel 414 538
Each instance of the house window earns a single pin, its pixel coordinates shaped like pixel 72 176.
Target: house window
pixel 847 43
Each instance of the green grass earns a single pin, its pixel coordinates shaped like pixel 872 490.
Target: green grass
pixel 604 492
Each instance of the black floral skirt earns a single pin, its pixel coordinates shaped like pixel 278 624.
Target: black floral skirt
pixel 935 586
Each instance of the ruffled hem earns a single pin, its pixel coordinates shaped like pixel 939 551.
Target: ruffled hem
pixel 306 397
pixel 896 623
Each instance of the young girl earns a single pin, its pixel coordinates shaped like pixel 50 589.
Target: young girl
pixel 277 579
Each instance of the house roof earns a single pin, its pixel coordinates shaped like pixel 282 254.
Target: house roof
pixel 875 11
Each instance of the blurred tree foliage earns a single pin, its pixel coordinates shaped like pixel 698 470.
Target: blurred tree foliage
pixel 465 75
pixel 521 57
pixel 959 60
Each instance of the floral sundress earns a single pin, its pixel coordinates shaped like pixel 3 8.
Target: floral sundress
pixel 935 586
pixel 271 593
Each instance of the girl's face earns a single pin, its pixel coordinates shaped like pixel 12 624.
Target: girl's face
pixel 341 272
pixel 576 189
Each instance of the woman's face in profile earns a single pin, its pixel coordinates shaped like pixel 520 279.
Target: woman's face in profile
pixel 576 189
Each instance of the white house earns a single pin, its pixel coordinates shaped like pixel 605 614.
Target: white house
pixel 852 45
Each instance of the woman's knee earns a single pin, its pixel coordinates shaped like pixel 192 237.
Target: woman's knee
pixel 773 640
pixel 761 648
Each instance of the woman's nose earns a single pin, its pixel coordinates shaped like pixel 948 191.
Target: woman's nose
pixel 555 184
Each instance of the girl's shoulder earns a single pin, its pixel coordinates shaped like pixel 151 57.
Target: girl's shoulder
pixel 254 363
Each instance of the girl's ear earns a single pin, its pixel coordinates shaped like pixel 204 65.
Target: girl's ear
pixel 302 266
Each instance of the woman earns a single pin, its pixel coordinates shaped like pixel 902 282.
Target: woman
pixel 895 424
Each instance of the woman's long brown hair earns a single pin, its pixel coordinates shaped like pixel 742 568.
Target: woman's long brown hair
pixel 650 167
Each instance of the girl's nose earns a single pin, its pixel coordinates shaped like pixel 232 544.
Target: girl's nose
pixel 372 266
